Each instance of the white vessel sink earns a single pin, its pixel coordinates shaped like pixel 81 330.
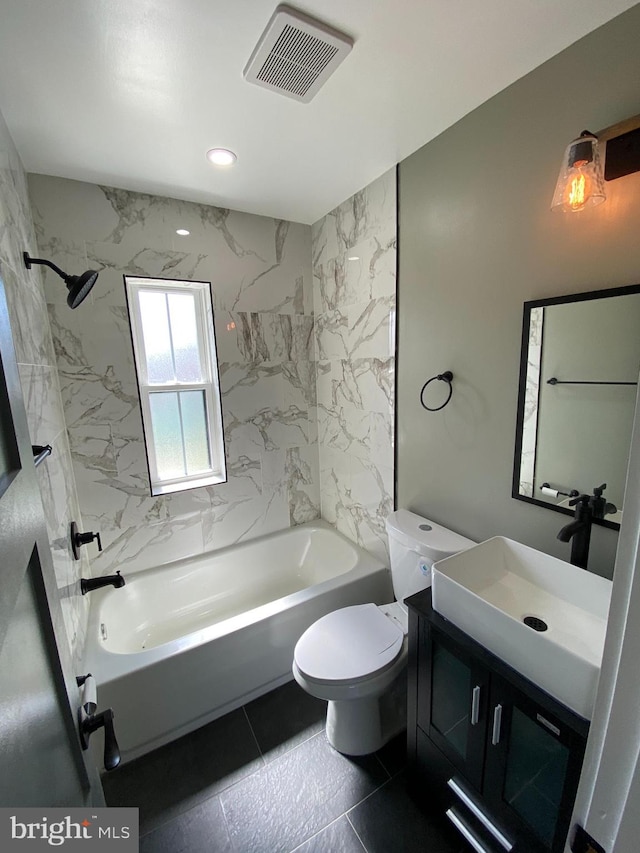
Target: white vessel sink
pixel 488 590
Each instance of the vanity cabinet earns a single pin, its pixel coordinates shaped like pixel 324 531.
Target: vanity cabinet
pixel 497 754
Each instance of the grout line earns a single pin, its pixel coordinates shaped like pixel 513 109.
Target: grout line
pixel 355 831
pixel 364 799
pixel 381 763
pixel 316 834
pixel 226 822
pixel 253 733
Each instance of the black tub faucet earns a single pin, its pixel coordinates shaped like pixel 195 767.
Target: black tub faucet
pixel 89 584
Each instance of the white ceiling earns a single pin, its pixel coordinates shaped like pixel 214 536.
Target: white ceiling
pixel 132 93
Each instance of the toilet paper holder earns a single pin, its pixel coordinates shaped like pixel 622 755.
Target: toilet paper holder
pixel 547 489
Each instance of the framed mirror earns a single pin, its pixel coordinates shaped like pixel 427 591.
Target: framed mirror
pixel 579 369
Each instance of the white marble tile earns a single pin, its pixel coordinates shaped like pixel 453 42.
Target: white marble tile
pixel 299 384
pixel 133 549
pixel 249 389
pixel 354 254
pixel 366 270
pixel 244 519
pixel 371 329
pixel 57 489
pixel 333 335
pixel 303 484
pixel 269 338
pixel 92 447
pixel 42 401
pixel 37 367
pixel 28 316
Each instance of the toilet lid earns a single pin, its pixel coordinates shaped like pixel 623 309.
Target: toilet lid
pixel 349 643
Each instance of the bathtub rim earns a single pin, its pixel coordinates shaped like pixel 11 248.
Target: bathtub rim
pixel 108 665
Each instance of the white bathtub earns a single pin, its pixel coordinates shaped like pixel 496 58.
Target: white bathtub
pixel 184 643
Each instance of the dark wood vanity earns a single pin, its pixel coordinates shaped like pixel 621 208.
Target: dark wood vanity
pixel 486 746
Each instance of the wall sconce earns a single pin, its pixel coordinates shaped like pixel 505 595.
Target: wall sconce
pixel 581 182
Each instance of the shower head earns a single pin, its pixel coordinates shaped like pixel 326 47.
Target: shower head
pixel 77 285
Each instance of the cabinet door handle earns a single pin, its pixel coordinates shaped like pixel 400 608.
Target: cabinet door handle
pixel 497 722
pixel 475 705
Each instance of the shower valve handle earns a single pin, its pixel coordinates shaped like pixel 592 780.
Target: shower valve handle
pixel 79 539
pixel 86 538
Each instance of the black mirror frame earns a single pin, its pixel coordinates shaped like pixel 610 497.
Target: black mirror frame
pixel 524 350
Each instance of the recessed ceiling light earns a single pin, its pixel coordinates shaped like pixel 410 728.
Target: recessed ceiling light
pixel 353 258
pixel 221 157
pixel 183 232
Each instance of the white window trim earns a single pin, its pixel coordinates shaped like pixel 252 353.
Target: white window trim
pixel 210 384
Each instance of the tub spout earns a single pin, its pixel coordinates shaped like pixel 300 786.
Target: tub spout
pixel 89 584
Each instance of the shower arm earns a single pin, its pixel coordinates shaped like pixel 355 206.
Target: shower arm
pixel 28 261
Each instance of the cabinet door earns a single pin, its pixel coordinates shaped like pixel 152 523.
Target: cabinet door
pixel 532 766
pixel 453 705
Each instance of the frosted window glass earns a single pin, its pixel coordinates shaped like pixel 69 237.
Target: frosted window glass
pixel 167 432
pixel 184 332
pixel 157 339
pixel 194 425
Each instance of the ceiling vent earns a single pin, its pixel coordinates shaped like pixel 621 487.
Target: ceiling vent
pixel 296 54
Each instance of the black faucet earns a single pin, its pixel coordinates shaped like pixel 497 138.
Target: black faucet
pixel 578 531
pixel 89 584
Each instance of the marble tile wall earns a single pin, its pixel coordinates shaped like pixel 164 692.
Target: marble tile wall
pixel 39 378
pixel 354 272
pixel 531 402
pixel 260 270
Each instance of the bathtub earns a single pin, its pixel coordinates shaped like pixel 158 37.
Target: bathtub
pixel 184 643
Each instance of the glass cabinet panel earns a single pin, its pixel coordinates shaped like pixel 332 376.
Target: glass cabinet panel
pixel 451 689
pixel 456 705
pixel 535 774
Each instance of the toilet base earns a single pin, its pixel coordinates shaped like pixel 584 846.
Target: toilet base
pixel 363 726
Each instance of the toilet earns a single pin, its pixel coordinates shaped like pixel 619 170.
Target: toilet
pixel 355 657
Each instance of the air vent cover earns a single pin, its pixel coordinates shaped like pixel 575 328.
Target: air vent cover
pixel 296 54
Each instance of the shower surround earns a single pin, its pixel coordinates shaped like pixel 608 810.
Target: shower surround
pixel 40 388
pixel 264 297
pixel 354 268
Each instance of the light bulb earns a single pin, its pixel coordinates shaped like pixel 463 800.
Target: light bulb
pixel 581 181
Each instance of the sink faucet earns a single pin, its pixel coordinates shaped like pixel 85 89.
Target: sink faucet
pixel 578 531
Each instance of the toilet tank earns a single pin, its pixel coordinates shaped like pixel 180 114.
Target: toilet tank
pixel 415 544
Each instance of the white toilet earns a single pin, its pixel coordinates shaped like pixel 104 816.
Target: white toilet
pixel 355 657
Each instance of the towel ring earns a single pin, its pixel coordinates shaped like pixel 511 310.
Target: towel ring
pixel 447 376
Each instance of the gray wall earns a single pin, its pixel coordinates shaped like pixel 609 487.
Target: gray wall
pixel 477 239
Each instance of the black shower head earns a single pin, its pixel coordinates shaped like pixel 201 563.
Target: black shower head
pixel 77 285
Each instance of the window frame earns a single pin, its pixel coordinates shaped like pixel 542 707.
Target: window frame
pixel 210 385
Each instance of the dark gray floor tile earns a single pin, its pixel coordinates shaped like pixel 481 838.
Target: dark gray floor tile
pixel 178 776
pixel 297 795
pixel 393 755
pixel 338 837
pixel 391 820
pixel 200 830
pixel 285 718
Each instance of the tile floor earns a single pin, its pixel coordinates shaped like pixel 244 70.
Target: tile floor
pixel 263 779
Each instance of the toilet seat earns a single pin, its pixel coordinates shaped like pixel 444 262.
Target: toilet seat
pixel 349 644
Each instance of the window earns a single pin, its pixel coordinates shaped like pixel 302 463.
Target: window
pixel 175 355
